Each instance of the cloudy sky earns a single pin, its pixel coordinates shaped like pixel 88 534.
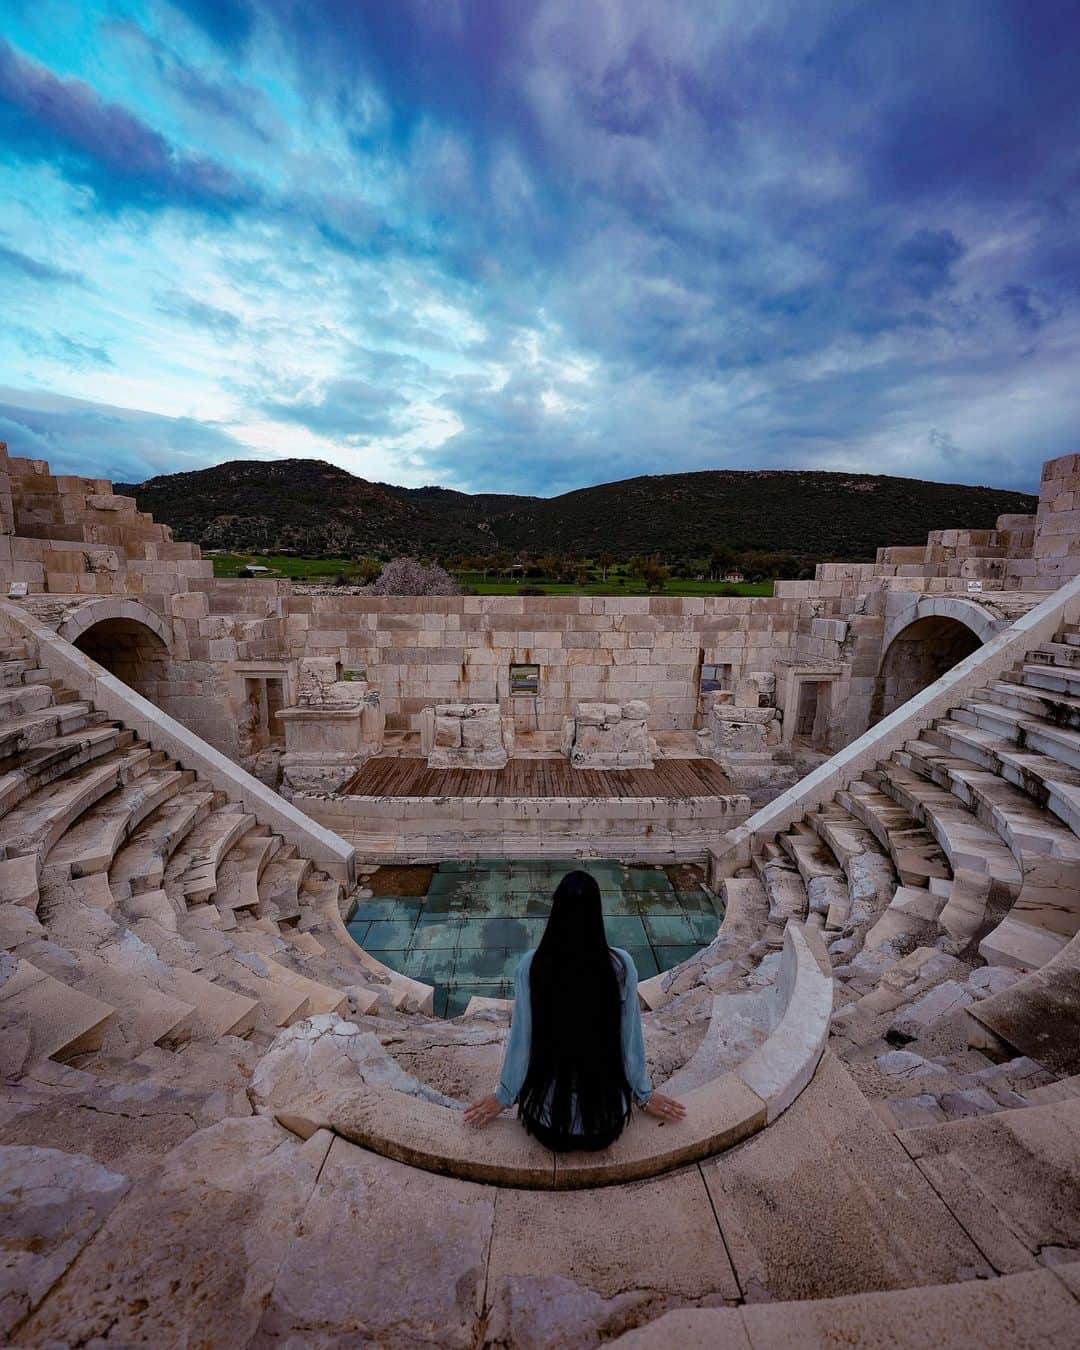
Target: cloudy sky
pixel 527 245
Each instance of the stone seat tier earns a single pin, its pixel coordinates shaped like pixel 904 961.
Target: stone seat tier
pixel 139 865
pixel 281 883
pixel 241 868
pixel 44 1018
pixel 870 879
pixel 1036 774
pixel 783 885
pixel 1046 910
pixel 36 824
pixel 144 1015
pixel 915 854
pixel 1041 704
pixel 191 873
pixel 20 733
pixel 91 844
pixel 1055 679
pixel 965 841
pixel 51 759
pixel 1010 724
pixel 20 699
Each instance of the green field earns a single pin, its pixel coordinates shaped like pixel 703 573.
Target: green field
pixel 329 569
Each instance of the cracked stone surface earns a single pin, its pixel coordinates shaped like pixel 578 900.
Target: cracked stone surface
pixel 51 1205
pixel 317 1060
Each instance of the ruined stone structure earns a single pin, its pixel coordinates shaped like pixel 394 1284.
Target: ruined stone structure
pixel 609 736
pixel 466 736
pixel 223 1122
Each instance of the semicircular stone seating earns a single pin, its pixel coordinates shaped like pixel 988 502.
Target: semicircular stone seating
pixel 255 1127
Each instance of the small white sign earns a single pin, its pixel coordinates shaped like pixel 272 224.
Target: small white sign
pixel 17 589
pixel 974 585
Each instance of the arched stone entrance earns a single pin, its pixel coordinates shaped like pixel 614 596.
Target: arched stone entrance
pixel 129 640
pixel 917 656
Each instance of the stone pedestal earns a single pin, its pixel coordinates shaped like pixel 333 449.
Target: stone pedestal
pixel 333 729
pixel 609 736
pixel 745 723
pixel 466 736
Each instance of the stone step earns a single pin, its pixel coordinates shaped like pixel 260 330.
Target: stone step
pixel 914 852
pixel 280 886
pixel 140 864
pixel 191 874
pixel 36 824
pixel 282 1001
pixel 909 920
pixel 784 889
pixel 52 759
pixel 1060 654
pixel 239 872
pixel 1040 704
pixel 21 733
pixel 24 698
pixel 12 671
pixel 965 841
pixel 223 1012
pixel 91 844
pixel 1057 679
pixel 144 1015
pixel 320 997
pixel 46 1019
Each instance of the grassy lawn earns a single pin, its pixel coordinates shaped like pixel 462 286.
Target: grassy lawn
pixel 328 569
pixel 314 569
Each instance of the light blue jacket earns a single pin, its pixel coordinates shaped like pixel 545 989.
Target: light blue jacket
pixel 516 1057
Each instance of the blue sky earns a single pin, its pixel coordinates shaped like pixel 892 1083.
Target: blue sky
pixel 528 245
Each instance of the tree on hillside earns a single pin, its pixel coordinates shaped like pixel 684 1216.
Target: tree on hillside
pixel 605 560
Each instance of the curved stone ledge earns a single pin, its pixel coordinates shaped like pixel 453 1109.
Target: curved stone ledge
pixel 719 1114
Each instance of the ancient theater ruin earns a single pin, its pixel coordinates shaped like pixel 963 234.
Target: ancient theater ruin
pixel 268 858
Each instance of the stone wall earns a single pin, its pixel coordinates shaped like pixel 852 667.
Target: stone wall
pixel 444 649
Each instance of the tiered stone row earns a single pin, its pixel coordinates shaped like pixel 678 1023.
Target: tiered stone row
pixel 172 965
pixel 946 883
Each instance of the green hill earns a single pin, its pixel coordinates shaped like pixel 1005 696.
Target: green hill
pixel 314 509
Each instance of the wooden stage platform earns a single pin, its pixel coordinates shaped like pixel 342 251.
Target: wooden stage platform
pixel 398 776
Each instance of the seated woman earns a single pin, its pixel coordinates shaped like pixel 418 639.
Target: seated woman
pixel 575 1057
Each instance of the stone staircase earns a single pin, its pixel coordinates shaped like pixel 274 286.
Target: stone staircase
pixel 945 882
pixel 141 908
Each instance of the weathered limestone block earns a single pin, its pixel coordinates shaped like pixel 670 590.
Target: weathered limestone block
pixel 313 1062
pixel 51 1204
pixel 609 736
pixel 742 727
pixel 335 726
pixel 466 736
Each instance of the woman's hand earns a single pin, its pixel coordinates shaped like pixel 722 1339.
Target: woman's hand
pixel 664 1107
pixel 483 1112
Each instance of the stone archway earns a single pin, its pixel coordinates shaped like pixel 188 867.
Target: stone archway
pixel 919 654
pixel 129 640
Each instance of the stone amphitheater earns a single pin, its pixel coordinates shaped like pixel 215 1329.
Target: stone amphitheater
pixel 225 1122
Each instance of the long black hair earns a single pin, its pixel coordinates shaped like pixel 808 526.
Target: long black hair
pixel 576 1082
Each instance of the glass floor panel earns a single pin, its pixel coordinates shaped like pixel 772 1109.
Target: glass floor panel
pixel 464 926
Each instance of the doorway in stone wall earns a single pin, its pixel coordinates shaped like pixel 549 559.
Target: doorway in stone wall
pixel 812 711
